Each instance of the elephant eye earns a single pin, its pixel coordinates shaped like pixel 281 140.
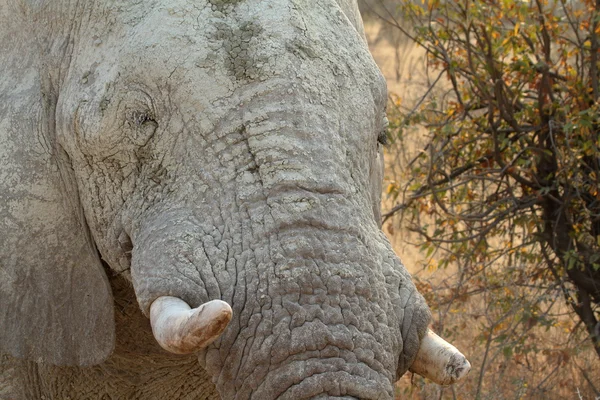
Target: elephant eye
pixel 140 117
pixel 382 137
pixel 142 126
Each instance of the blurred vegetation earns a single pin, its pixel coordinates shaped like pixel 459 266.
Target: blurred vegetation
pixel 503 189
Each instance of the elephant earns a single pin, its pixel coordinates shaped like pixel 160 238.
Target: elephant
pixel 190 206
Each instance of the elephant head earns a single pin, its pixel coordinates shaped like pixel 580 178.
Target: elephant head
pixel 222 155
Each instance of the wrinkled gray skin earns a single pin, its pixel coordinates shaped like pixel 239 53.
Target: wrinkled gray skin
pixel 205 150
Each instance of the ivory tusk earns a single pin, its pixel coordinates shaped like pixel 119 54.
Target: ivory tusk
pixel 183 330
pixel 439 361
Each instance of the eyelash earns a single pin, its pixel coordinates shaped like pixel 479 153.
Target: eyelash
pixel 140 117
pixel 382 137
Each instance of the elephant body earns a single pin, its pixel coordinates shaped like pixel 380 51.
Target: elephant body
pixel 222 151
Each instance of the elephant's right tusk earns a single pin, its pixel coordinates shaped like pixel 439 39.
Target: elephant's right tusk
pixel 183 330
pixel 439 361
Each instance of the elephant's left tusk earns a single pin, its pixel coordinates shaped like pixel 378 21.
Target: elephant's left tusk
pixel 183 330
pixel 439 361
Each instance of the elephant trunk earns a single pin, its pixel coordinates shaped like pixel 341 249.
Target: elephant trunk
pixel 323 343
pixel 321 306
pixel 310 309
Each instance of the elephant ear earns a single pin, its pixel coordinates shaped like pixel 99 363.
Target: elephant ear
pixel 55 299
pixel 352 12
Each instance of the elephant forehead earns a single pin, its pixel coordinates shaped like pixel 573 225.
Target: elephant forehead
pixel 198 64
pixel 228 45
